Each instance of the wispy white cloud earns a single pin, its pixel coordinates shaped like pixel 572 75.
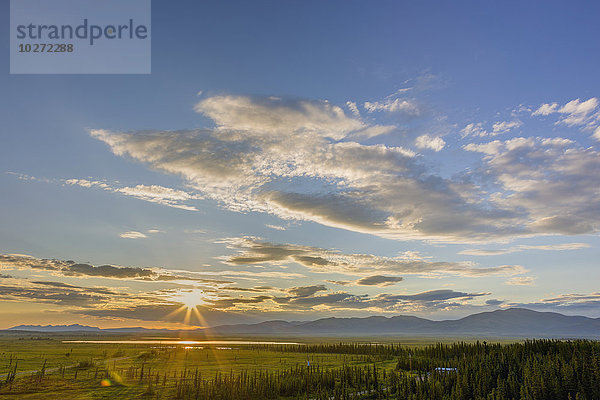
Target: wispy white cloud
pixel 353 108
pixel 158 194
pixel 578 112
pixel 519 248
pixel 474 129
pixel 87 183
pixel 583 114
pixel 152 193
pixel 132 235
pixel 521 281
pixel 276 227
pixel 477 129
pixel 545 109
pixel 505 126
pixel 276 116
pixel 393 105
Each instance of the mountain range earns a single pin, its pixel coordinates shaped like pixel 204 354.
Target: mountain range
pixel 513 322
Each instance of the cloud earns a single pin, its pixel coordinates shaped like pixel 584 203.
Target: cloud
pixel 572 303
pixel 307 298
pixel 374 189
pixel 583 114
pixel 550 180
pixel 353 108
pixel 305 291
pixel 49 295
pixel 573 298
pixel 299 160
pixel 229 303
pixel 252 250
pixel 546 109
pixel 132 235
pixel 216 305
pixel 107 271
pixel 437 295
pixel 515 249
pixel 434 143
pixel 428 301
pixel 474 129
pixel 505 126
pixel 170 313
pixel 379 280
pixel 393 106
pixel 276 227
pixel 521 281
pixel 157 194
pixel 342 283
pixel 86 183
pixel 257 289
pixel 73 269
pixel 578 112
pixel 151 193
pixel 62 294
pixel 477 129
pixel 276 116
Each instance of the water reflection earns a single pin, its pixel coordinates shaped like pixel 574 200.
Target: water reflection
pixel 182 342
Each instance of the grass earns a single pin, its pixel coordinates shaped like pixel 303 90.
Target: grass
pixel 123 371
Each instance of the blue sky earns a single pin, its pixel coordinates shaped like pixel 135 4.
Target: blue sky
pixel 299 160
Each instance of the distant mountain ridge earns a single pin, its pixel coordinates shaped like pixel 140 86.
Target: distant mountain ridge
pixel 516 322
pixel 513 322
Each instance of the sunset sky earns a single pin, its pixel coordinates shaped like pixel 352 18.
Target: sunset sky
pixel 299 160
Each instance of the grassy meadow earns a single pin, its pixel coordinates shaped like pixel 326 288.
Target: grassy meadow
pixel 36 366
pixel 47 366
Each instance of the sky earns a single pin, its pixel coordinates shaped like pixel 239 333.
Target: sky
pixel 300 160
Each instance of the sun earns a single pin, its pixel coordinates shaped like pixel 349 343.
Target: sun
pixel 190 298
pixel 191 301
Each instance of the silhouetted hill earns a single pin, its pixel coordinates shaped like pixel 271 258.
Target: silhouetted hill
pixel 523 322
pixel 514 322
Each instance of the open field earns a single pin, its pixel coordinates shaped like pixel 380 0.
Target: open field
pixel 79 370
pixel 48 366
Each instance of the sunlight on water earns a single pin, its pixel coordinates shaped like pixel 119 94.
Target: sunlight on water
pixel 181 342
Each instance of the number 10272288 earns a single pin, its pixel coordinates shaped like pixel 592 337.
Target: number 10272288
pixel 45 48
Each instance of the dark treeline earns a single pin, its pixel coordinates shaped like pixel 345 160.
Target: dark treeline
pixel 538 369
pixel 386 350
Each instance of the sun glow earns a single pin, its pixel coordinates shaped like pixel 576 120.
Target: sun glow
pixel 190 298
pixel 190 301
